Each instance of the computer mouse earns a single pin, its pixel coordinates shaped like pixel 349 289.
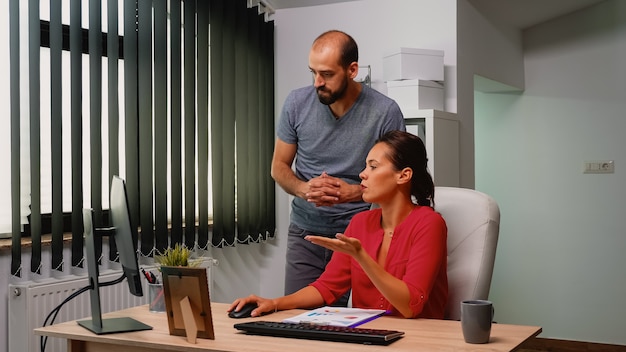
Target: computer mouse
pixel 244 312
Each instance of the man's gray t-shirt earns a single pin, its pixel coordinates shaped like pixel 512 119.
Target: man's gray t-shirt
pixel 337 146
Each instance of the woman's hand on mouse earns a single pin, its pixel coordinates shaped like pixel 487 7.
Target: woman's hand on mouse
pixel 264 305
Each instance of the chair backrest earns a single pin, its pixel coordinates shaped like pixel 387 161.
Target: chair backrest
pixel 473 221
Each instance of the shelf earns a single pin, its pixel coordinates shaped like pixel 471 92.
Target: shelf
pixel 440 132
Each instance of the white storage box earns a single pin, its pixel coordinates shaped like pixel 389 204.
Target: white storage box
pixel 410 63
pixel 416 94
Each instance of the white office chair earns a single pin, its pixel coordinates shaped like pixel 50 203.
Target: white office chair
pixel 473 220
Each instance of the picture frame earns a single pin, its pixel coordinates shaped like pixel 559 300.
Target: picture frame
pixel 187 302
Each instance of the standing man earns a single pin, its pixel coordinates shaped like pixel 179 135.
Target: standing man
pixel 328 129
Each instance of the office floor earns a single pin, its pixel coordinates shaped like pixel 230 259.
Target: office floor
pixel 552 345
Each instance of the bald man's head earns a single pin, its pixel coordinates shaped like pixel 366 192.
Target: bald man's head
pixel 344 43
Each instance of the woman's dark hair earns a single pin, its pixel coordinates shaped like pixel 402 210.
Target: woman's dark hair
pixel 408 150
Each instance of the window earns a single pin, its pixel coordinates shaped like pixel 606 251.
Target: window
pixel 143 99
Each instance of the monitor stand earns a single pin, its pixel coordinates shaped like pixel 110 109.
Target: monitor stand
pixel 113 325
pixel 96 324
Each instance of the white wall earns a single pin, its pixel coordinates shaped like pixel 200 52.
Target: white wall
pixel 378 29
pixel 492 51
pixel 560 261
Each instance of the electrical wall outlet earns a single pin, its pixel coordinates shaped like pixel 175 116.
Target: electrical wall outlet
pixel 599 167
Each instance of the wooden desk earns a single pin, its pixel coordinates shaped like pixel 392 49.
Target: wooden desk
pixel 421 335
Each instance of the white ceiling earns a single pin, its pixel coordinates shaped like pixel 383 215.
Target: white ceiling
pixel 285 4
pixel 527 13
pixel 518 13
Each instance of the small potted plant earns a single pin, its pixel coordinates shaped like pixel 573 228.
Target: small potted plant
pixel 177 256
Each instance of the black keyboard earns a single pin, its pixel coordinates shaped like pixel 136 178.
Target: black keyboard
pixel 320 332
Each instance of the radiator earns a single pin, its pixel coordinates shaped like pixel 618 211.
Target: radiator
pixel 29 303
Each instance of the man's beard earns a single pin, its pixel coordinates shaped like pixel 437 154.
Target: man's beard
pixel 333 97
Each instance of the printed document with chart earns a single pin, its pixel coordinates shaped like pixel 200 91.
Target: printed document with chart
pixel 336 316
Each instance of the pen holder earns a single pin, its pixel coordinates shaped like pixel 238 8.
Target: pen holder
pixel 156 298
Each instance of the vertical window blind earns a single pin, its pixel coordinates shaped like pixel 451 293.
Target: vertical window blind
pixel 176 97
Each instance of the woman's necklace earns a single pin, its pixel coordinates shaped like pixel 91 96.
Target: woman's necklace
pixel 388 232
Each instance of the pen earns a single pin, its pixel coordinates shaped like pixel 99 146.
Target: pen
pixel 156 299
pixel 148 276
pixel 154 278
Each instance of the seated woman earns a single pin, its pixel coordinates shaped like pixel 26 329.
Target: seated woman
pixel 393 257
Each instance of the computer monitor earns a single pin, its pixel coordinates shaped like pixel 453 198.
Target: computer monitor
pixel 123 234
